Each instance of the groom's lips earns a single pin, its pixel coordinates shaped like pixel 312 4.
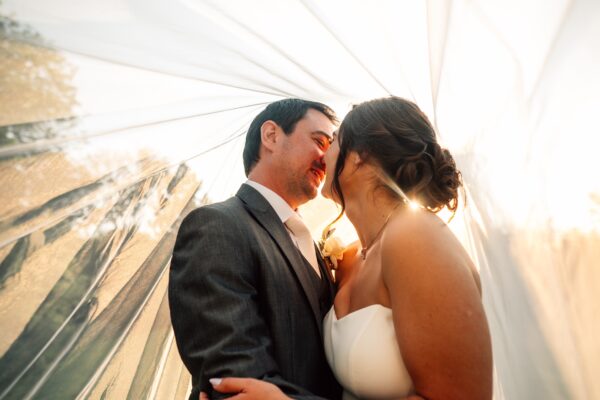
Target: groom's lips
pixel 319 173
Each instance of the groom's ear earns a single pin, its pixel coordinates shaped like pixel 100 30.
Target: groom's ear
pixel 269 134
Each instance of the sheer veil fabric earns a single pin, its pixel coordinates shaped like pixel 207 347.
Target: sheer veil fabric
pixel 120 116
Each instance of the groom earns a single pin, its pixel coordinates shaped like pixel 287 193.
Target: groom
pixel 247 289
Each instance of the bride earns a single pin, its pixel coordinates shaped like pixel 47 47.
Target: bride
pixel 407 321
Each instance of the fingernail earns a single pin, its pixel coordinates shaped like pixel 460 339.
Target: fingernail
pixel 215 381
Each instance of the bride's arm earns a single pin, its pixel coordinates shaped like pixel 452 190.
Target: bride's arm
pixel 438 315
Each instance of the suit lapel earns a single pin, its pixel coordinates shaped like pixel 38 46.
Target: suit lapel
pixel 328 273
pixel 262 211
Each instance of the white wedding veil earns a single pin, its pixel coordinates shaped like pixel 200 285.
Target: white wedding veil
pixel 119 116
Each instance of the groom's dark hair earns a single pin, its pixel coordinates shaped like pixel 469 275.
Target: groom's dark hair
pixel 285 113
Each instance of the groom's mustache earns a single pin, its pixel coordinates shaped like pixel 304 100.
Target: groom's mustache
pixel 320 168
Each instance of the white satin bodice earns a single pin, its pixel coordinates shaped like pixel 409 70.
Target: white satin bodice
pixel 363 353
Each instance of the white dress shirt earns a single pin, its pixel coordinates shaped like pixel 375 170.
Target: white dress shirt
pixel 281 207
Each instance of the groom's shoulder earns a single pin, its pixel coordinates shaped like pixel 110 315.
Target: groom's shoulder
pixel 230 209
pixel 232 205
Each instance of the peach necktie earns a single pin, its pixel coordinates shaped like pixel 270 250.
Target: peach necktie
pixel 304 240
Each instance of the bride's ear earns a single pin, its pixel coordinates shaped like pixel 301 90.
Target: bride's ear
pixel 357 161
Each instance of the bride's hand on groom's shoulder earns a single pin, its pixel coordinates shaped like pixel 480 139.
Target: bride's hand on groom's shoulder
pixel 246 388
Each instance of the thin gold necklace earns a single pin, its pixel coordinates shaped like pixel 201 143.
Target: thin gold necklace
pixel 363 251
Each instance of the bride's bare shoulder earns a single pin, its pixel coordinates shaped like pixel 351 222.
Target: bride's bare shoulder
pixel 410 225
pixel 418 243
pixel 417 233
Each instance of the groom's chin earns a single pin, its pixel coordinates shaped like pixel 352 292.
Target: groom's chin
pixel 310 191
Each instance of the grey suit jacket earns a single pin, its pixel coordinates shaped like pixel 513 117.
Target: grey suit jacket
pixel 243 303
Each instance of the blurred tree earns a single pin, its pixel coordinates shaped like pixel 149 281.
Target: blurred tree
pixel 36 94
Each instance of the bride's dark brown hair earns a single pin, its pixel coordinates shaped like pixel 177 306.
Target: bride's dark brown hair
pixel 396 135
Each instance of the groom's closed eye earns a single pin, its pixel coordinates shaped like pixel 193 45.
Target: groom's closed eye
pixel 322 143
pixel 322 140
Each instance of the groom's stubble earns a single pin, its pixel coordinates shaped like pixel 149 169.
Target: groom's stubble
pixel 300 182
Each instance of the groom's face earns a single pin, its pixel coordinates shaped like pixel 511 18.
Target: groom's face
pixel 301 156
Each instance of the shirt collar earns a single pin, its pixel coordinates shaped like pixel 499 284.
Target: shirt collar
pixel 281 207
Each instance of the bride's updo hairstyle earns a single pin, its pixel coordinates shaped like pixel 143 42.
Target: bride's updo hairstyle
pixel 396 135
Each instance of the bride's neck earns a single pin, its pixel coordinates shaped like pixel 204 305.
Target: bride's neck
pixel 368 211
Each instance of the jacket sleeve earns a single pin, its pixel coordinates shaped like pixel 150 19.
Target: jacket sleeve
pixel 213 298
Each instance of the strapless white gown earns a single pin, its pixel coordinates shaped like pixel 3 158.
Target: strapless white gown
pixel 363 353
